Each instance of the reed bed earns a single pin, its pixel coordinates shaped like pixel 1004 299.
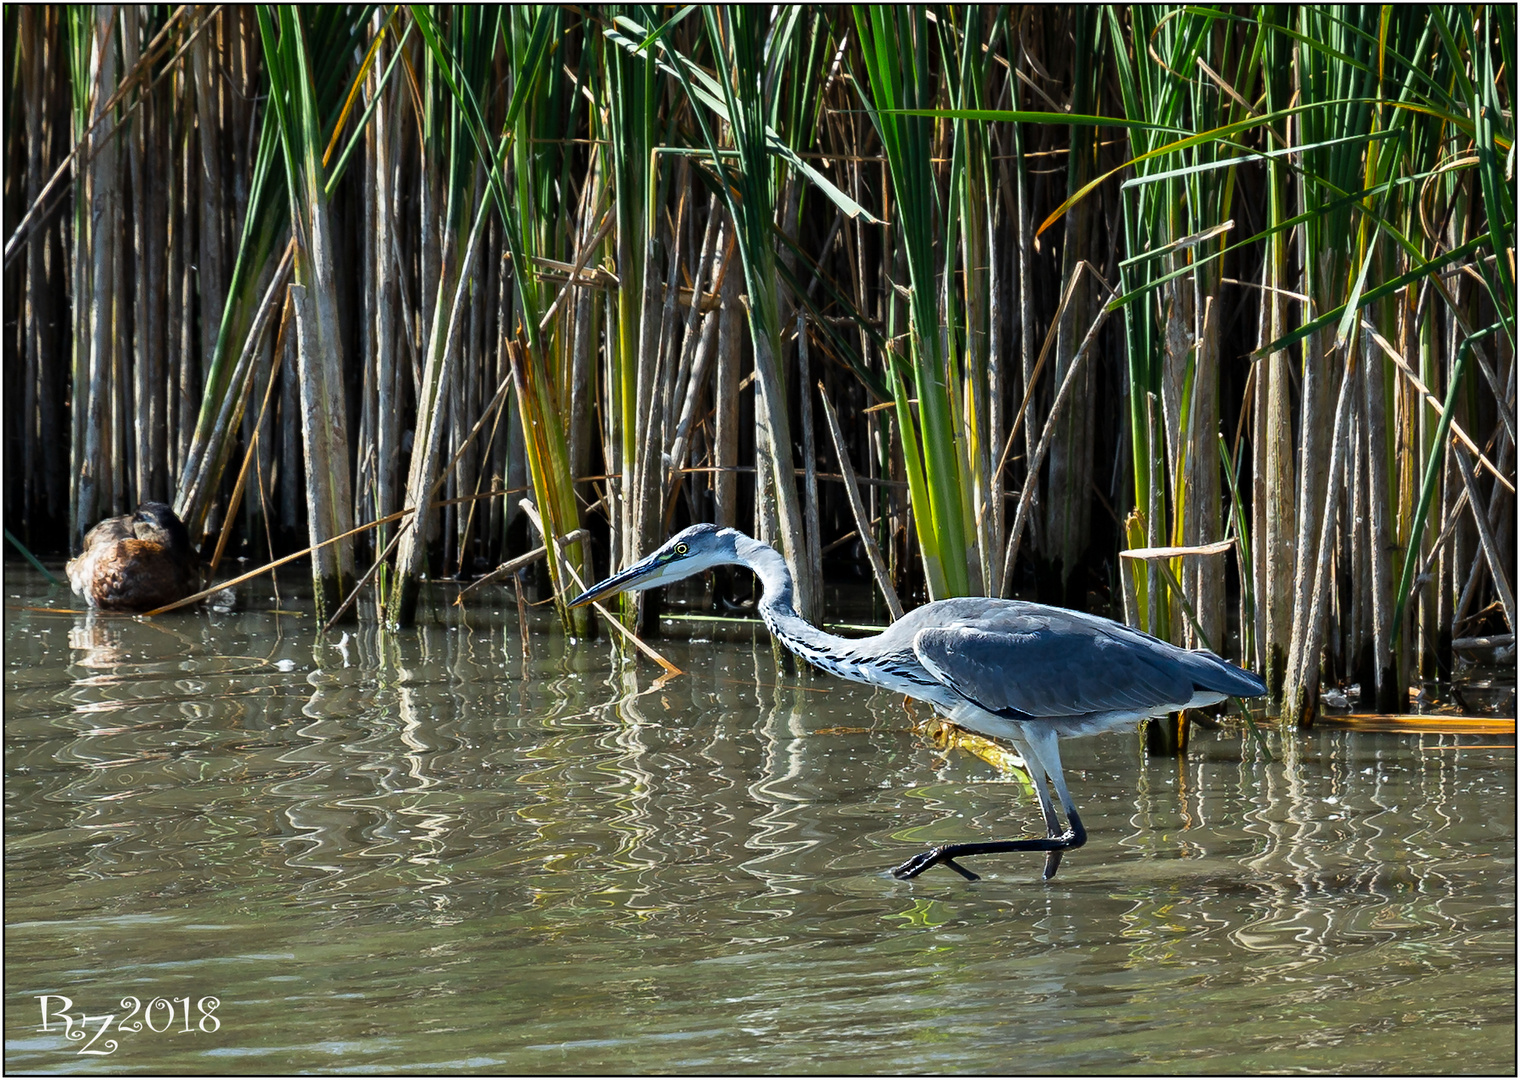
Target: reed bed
pixel 1226 291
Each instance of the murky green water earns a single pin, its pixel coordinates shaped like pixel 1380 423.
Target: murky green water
pixel 449 849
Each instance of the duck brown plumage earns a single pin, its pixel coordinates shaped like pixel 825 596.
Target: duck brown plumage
pixel 135 562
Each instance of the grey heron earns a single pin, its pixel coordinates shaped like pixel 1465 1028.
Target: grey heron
pixel 1023 672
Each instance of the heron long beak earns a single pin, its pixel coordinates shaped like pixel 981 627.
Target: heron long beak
pixel 630 579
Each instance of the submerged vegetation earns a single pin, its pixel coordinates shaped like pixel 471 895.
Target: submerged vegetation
pixel 1206 311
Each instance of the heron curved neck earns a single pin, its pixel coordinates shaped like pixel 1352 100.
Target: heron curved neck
pixel 778 605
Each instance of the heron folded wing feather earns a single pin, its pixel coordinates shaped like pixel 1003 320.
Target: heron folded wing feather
pixel 1044 667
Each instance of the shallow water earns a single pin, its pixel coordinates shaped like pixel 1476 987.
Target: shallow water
pixel 456 849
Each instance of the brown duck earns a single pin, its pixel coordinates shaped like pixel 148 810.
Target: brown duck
pixel 135 562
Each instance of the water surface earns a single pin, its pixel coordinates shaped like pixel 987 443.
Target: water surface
pixel 467 847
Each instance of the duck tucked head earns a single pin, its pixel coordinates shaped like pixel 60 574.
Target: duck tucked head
pixel 156 523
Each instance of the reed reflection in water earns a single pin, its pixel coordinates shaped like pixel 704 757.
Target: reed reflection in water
pixel 450 848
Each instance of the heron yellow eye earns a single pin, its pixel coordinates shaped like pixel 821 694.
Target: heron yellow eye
pixel 682 549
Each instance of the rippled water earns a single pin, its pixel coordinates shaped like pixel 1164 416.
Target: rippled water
pixel 456 848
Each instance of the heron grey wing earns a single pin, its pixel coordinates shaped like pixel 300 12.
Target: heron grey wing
pixel 1048 666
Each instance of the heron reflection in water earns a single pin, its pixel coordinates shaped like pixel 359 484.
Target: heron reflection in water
pixel 1024 672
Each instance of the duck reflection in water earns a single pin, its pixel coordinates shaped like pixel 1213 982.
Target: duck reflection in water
pixel 136 562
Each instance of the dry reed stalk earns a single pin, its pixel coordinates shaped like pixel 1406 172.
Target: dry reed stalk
pixel 97 494
pixel 147 474
pixel 637 531
pixel 726 403
pixel 646 504
pixel 377 325
pixel 712 269
pixel 182 278
pixel 1203 579
pixel 695 354
pixel 1301 689
pixel 1063 394
pixel 1067 508
pixel 1380 532
pixel 583 325
pixel 254 455
pixel 1315 454
pixel 998 384
pixel 1277 515
pixel 314 294
pixel 858 510
pixel 442 358
pixel 197 489
pixel 810 466
pixel 1492 553
pixel 385 134
pixel 211 265
pixel 42 439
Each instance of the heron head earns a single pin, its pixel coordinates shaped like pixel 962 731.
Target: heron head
pixel 688 552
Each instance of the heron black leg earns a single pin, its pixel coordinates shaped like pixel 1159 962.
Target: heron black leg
pixel 1043 756
pixel 946 854
pixel 1078 838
